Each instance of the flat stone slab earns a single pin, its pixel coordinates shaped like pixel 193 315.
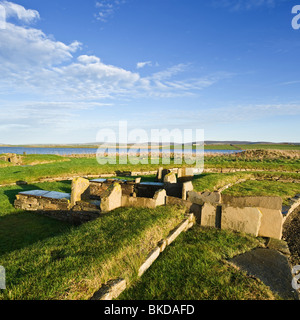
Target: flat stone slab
pixel 34 193
pixel 57 195
pixel 46 194
pixel 271 267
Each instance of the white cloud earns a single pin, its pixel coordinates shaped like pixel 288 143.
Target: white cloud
pixel 237 5
pixel 18 11
pixel 59 83
pixel 28 47
pixel 107 8
pixel 141 65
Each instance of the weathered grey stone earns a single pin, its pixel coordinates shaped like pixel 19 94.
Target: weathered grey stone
pixel 252 201
pixel 111 198
pixel 186 187
pixel 270 267
pixel 201 197
pixel 111 290
pixel 271 223
pixel 35 193
pixel 245 219
pixel 56 195
pixel 153 255
pixel 79 190
pixel 209 216
pixel 279 245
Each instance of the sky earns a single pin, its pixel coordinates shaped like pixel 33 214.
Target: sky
pixel 71 68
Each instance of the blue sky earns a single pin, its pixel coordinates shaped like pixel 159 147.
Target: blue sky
pixel 70 68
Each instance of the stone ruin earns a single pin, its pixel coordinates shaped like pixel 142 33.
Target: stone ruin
pixel 11 158
pixel 90 198
pixel 259 216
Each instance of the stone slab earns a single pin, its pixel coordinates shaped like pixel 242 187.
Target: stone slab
pixel 34 193
pixel 153 255
pixel 210 215
pixel 252 201
pixel 176 232
pixel 246 219
pixel 57 195
pixel 270 267
pixel 111 290
pixel 201 197
pixel 271 223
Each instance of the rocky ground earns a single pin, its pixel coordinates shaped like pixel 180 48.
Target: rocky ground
pixel 291 234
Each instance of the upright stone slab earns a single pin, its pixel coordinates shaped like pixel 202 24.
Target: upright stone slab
pixel 159 174
pixel 186 187
pixel 160 197
pixel 210 215
pixel 111 198
pixel 170 178
pixel 271 223
pixel 79 190
pixel 245 219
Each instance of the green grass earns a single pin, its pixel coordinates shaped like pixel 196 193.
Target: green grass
pixel 33 159
pixel 194 268
pixel 214 181
pixel 227 161
pixel 285 190
pixel 268 146
pixel 74 263
pixel 89 166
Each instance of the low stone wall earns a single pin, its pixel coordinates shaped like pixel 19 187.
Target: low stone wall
pixel 59 209
pixel 113 288
pixel 159 199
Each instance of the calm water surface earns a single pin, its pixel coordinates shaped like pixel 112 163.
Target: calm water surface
pixel 69 151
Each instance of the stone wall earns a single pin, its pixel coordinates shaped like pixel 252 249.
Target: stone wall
pixel 259 216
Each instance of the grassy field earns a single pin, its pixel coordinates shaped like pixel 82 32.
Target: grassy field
pixel 49 259
pixel 285 190
pixel 268 146
pixel 73 262
pixel 194 267
pixel 46 166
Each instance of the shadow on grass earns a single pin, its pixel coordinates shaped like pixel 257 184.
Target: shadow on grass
pixel 20 230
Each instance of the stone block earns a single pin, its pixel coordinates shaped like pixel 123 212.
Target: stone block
pixel 246 219
pixel 170 178
pixel 252 201
pixel 201 197
pixel 79 190
pixel 111 198
pixel 160 197
pixel 186 187
pixel 271 223
pixel 210 215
